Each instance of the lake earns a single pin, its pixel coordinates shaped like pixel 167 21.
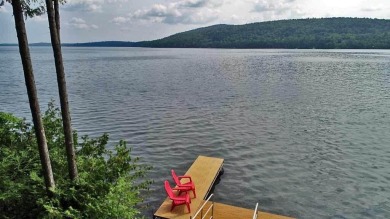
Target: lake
pixel 306 133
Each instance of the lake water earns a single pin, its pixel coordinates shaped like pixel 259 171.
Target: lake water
pixel 306 133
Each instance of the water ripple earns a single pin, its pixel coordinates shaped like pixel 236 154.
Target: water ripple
pixel 303 132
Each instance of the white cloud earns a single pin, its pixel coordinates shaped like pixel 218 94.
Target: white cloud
pixel 277 9
pixel 181 12
pixel 157 10
pixel 120 20
pixel 201 17
pixel 235 19
pixel 84 5
pixel 278 6
pixel 41 18
pixel 264 5
pixel 77 20
pixel 80 23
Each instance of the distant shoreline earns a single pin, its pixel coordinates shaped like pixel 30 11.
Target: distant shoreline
pixel 88 44
pixel 311 33
pixel 100 46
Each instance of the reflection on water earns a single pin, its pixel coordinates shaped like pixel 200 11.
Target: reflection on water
pixel 303 132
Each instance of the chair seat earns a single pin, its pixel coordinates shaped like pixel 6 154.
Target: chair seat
pixel 182 199
pixel 189 184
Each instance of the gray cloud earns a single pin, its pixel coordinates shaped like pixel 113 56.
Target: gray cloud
pixel 372 9
pixel 200 3
pixel 194 3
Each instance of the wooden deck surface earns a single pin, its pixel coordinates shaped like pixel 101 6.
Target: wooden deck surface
pixel 203 172
pixel 223 211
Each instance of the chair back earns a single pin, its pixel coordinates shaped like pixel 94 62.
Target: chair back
pixel 175 178
pixel 168 189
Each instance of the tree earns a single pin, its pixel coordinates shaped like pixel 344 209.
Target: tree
pixel 19 7
pixel 53 18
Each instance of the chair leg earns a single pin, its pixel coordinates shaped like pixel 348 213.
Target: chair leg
pixel 194 193
pixel 188 207
pixel 172 206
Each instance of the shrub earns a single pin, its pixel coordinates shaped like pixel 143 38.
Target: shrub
pixel 109 184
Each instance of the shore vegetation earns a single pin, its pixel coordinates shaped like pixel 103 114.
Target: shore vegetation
pixel 109 185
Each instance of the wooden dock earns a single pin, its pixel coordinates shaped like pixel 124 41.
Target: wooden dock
pixel 204 171
pixel 223 211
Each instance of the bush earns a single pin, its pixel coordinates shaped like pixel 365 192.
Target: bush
pixel 109 183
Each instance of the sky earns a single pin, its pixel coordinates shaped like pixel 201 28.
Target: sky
pixel 138 20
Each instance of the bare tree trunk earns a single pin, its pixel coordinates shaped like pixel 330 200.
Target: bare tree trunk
pixel 57 18
pixel 32 94
pixel 55 42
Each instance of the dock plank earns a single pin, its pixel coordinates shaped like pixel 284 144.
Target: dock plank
pixel 203 172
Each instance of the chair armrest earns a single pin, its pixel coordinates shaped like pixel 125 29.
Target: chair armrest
pixel 181 188
pixel 185 177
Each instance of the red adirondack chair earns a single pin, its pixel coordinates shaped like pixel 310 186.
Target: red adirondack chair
pixel 184 187
pixel 179 199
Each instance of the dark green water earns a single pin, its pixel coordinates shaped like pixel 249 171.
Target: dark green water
pixel 306 133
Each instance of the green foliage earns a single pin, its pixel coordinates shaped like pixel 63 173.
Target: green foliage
pixel 109 184
pixel 324 33
pixel 31 8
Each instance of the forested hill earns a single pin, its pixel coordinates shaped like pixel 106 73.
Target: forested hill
pixel 324 33
pixel 320 33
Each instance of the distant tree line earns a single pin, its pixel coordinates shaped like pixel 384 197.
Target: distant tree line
pixel 319 33
pixel 323 33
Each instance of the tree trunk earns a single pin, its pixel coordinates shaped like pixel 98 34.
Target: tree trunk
pixel 32 94
pixel 57 18
pixel 55 42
